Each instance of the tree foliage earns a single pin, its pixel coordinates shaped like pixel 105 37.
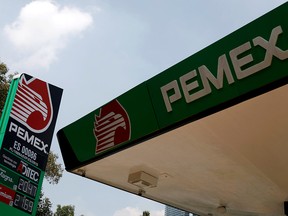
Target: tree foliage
pixel 65 210
pixel 4 85
pixel 54 170
pixel 146 213
pixel 44 206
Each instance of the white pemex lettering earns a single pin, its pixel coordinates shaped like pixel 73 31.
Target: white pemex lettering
pixel 195 88
pixel 31 139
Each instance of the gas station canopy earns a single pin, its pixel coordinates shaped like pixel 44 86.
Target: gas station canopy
pixel 208 135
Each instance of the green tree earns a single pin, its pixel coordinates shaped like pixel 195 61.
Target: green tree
pixel 4 84
pixel 64 210
pixel 146 213
pixel 54 170
pixel 44 206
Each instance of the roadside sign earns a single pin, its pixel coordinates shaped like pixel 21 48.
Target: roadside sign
pixel 27 127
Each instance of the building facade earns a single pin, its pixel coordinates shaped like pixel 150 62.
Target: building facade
pixel 170 211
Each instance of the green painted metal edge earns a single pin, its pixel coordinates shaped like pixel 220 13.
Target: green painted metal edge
pixel 8 210
pixel 7 107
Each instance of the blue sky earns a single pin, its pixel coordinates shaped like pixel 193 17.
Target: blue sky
pixel 96 50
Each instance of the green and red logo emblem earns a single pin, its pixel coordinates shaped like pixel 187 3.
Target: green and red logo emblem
pixel 33 105
pixel 111 126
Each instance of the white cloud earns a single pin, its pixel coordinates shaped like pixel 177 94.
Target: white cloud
pixel 129 211
pixel 42 29
pixel 157 213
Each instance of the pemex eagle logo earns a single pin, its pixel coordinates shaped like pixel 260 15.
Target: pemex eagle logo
pixel 111 126
pixel 32 104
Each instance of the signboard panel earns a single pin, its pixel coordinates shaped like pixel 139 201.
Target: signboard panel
pixel 6 195
pixel 8 177
pixel 17 164
pixel 27 127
